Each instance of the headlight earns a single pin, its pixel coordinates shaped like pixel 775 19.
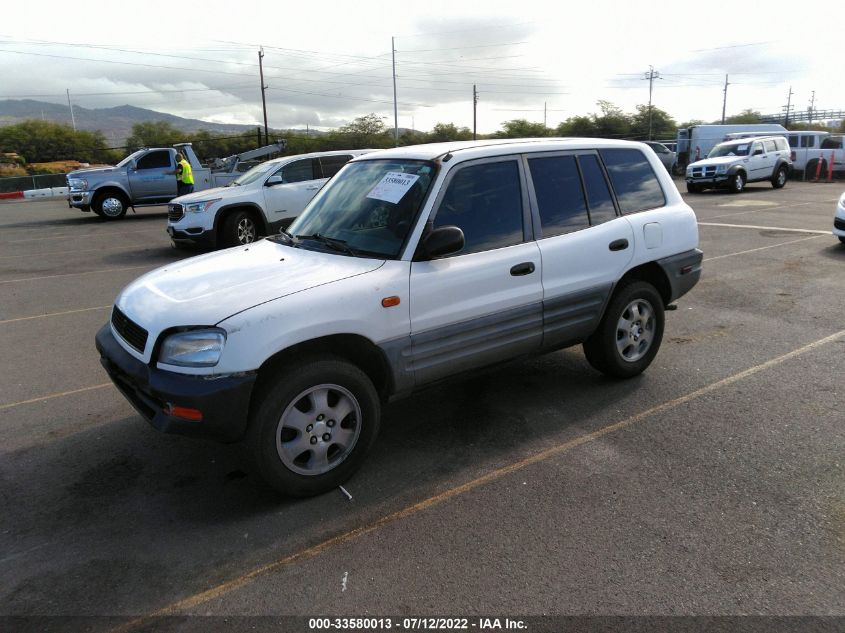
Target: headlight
pixel 195 348
pixel 689 171
pixel 77 184
pixel 721 169
pixel 200 207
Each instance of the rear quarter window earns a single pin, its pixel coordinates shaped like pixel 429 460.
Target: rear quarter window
pixel 633 179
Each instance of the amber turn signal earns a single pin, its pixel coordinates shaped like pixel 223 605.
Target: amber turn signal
pixel 389 302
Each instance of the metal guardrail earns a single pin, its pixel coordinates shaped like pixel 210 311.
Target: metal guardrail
pixel 24 183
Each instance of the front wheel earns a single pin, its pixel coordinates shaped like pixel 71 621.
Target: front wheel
pixel 779 179
pixel 841 239
pixel 693 188
pixel 313 425
pixel 630 332
pixel 737 183
pixel 110 205
pixel 240 228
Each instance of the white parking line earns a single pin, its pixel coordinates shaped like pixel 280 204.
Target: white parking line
pixel 762 248
pixel 52 314
pixel 763 228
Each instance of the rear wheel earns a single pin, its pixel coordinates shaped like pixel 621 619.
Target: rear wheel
pixel 240 228
pixel 779 179
pixel 736 183
pixel 693 188
pixel 630 332
pixel 313 425
pixel 111 205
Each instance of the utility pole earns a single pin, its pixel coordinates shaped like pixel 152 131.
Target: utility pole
pixel 395 103
pixel 811 109
pixel 474 108
pixel 725 99
pixel 69 105
pixel 544 114
pixel 263 88
pixel 651 75
pixel 788 107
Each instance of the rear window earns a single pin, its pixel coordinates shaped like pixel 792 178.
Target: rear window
pixel 633 180
pixel 832 142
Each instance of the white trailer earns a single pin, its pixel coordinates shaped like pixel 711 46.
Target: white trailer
pixel 696 141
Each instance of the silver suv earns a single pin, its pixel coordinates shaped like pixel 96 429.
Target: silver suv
pixel 734 163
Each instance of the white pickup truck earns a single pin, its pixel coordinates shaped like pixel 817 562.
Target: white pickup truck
pixel 810 147
pixel 260 202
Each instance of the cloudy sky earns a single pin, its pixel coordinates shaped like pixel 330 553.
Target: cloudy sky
pixel 329 62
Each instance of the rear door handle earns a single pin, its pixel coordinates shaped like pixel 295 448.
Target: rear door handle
pixel 525 268
pixel 618 245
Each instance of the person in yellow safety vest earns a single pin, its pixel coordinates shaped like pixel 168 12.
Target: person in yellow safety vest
pixel 184 176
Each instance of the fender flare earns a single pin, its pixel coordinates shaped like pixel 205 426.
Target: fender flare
pixel 111 184
pixel 223 211
pixel 782 163
pixel 735 169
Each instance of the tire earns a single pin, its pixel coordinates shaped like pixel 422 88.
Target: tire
pixel 630 331
pixel 110 205
pixel 240 228
pixel 736 184
pixel 298 410
pixel 841 238
pixel 693 188
pixel 810 170
pixel 779 179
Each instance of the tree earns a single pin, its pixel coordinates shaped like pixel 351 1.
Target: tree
pixel 577 126
pixel 365 131
pixel 662 123
pixel 522 128
pixel 154 134
pixel 43 141
pixel 449 132
pixel 613 123
pixel 746 116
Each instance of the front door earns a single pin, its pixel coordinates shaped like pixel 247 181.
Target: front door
pixel 150 181
pixel 300 181
pixel 483 304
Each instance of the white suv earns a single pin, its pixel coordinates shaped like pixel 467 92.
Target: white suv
pixel 260 202
pixel 732 164
pixel 412 265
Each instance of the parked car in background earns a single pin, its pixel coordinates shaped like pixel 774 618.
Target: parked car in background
pixel 666 156
pixel 412 265
pixel 732 164
pixel 260 202
pixel 839 219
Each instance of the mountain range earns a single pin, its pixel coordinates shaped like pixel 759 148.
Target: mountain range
pixel 115 123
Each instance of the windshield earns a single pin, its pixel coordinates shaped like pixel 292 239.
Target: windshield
pixel 130 158
pixel 369 206
pixel 729 149
pixel 253 174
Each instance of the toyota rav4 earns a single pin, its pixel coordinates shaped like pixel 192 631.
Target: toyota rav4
pixel 411 266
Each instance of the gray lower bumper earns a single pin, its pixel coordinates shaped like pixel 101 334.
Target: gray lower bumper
pixel 683 271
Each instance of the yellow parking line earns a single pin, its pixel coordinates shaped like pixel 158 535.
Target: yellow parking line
pixel 52 314
pixel 53 395
pixel 87 272
pixel 494 475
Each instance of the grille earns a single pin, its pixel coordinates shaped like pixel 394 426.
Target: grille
pixel 175 212
pixel 839 224
pixel 129 331
pixel 703 172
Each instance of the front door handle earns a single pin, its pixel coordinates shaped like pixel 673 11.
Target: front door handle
pixel 525 268
pixel 618 245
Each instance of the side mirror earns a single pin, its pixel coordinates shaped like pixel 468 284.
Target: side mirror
pixel 275 179
pixel 444 240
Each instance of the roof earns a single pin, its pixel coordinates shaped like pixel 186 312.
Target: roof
pixel 493 147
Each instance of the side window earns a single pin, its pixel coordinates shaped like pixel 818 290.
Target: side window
pixel 560 197
pixel 330 165
pixel 154 160
pixel 485 201
pixel 832 142
pixel 781 144
pixel 633 179
pixel 793 140
pixel 755 148
pixel 598 193
pixel 770 146
pixel 298 171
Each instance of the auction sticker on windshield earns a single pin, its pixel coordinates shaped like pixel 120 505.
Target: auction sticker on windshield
pixel 393 186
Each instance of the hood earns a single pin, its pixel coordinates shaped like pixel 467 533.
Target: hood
pixel 208 194
pixel 719 160
pixel 207 289
pixel 87 173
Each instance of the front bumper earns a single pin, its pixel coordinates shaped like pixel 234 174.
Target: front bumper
pixel 683 271
pixel 839 223
pixel 715 181
pixel 223 401
pixel 198 236
pixel 80 199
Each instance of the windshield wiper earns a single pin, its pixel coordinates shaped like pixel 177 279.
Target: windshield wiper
pixel 331 242
pixel 283 237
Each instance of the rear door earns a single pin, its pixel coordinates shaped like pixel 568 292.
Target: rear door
pixel 584 244
pixel 149 180
pixel 483 304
